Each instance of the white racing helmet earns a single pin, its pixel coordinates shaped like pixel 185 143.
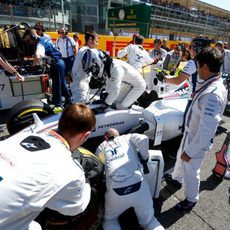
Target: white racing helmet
pixel 93 62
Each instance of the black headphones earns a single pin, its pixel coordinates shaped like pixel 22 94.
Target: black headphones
pixel 39 25
pixel 29 32
pixel 63 28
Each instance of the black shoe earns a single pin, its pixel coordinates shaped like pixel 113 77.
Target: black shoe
pixel 185 206
pixel 170 181
pixel 67 103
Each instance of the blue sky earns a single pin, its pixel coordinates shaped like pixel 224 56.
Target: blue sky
pixel 225 4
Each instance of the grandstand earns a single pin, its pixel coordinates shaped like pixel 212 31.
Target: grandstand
pixel 48 12
pixel 189 18
pixel 173 19
pixel 181 23
pixel 186 18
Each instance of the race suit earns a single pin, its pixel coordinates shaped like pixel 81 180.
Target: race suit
pixel 156 55
pixel 38 172
pixel 80 85
pixel 124 86
pixel 137 56
pixel 201 122
pixel 126 186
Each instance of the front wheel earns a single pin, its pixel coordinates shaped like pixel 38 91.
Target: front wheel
pixel 21 115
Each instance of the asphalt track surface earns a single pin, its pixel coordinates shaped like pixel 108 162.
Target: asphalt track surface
pixel 213 209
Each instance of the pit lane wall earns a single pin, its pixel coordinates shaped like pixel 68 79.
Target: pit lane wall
pixel 114 43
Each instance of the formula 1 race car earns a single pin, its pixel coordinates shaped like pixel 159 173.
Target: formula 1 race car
pixel 13 91
pixel 160 121
pixel 157 78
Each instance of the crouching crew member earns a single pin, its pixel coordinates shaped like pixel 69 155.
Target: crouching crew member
pixel 125 184
pixel 38 171
pixel 124 84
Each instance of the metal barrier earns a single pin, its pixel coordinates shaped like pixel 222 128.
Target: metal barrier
pixel 13 14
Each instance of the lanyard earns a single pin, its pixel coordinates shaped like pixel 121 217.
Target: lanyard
pixel 223 62
pixel 197 93
pixel 59 137
pixel 207 83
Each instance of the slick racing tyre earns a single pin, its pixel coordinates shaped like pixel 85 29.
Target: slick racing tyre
pixel 21 115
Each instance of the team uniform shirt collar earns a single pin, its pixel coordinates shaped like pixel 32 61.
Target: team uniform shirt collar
pixel 206 83
pixel 59 137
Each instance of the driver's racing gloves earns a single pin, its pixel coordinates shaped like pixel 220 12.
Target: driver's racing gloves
pixel 102 108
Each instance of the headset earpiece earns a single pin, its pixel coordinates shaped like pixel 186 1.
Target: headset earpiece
pixel 64 29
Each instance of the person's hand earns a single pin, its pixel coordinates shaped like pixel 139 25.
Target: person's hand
pixel 19 76
pixel 185 157
pixel 155 60
pixel 102 108
pixel 145 165
pixel 160 76
pixel 172 72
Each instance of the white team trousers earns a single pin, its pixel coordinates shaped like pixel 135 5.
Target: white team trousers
pixel 140 200
pixel 80 89
pixel 129 93
pixel 189 172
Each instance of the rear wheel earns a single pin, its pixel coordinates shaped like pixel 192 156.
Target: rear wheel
pixel 21 115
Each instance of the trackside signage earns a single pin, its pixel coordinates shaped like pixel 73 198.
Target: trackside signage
pixel 135 16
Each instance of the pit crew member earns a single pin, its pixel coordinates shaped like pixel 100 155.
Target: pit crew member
pixel 172 60
pixel 189 72
pixel 125 183
pixel 225 67
pixel 38 172
pixel 81 78
pixel 40 30
pixel 67 47
pixel 137 56
pixel 158 54
pixel 201 122
pixel 45 46
pixel 124 84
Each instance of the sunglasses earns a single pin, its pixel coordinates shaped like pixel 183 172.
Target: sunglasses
pixel 61 32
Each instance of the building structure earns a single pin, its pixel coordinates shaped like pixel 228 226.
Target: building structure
pixel 178 20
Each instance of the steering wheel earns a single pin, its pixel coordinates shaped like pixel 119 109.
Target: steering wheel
pixel 161 73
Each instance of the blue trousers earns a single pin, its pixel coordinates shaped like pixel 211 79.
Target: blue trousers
pixel 59 85
pixel 68 64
